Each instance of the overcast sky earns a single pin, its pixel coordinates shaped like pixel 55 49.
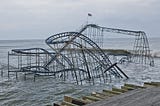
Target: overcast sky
pixel 38 19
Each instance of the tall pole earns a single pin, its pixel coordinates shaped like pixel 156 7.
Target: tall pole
pixel 88 15
pixel 87 20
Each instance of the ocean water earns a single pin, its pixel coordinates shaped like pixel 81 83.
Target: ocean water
pixel 47 90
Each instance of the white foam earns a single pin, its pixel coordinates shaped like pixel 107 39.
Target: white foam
pixel 155 53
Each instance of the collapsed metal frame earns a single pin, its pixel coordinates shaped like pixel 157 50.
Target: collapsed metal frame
pixel 77 56
pixel 28 61
pixel 73 43
pixel 141 50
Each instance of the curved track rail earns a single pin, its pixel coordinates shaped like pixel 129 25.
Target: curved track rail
pixel 78 57
pixel 141 50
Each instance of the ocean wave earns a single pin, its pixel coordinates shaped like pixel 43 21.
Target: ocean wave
pixel 155 54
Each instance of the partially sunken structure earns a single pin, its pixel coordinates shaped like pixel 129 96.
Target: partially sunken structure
pixel 78 57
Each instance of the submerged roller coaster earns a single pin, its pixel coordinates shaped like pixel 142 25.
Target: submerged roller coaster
pixel 141 50
pixel 77 56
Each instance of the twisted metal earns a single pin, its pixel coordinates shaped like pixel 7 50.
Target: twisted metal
pixel 78 57
pixel 84 54
pixel 75 58
pixel 141 50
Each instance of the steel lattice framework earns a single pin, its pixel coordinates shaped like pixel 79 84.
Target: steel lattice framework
pixel 141 51
pixel 84 54
pixel 77 56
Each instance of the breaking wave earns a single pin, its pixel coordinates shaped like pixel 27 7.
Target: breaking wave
pixel 155 54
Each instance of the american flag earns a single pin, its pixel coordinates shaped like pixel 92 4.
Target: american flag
pixel 89 14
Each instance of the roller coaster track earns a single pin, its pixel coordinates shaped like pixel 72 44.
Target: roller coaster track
pixel 38 51
pixel 74 41
pixel 141 50
pixel 79 57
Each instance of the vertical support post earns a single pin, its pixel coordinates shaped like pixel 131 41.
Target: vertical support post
pixel 16 75
pixel 8 65
pixel 18 67
pixel 25 76
pixel 34 77
pixel 1 72
pixel 86 63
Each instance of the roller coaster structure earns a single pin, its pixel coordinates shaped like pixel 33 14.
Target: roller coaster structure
pixel 141 50
pixel 77 57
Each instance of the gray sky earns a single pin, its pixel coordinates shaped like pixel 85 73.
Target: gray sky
pixel 38 19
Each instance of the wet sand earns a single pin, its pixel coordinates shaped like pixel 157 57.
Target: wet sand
pixel 138 97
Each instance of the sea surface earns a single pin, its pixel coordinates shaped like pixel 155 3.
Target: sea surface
pixel 47 90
